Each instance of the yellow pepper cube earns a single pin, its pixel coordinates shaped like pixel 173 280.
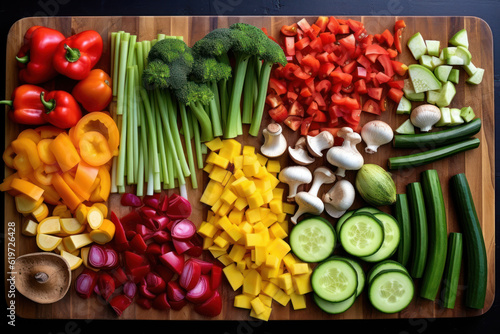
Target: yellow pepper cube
pixel 282 297
pixel 243 301
pixel 253 239
pixel 269 289
pixel 237 186
pixel 252 284
pixel 268 273
pixel 215 144
pixel 252 215
pixel 277 231
pixel 258 227
pixel 251 169
pixel 248 150
pixel 236 216
pixel 300 268
pixel 289 260
pixel 218 174
pixel 220 161
pixel 264 316
pixel 272 261
pixel 273 166
pixel 228 196
pixel 221 241
pixel 302 283
pixel 224 209
pixel 267 196
pixel 268 301
pixel 262 159
pixel 218 251
pixel 216 205
pixel 241 265
pixel 241 203
pixel 237 252
pixel 235 233
pixel 298 301
pixel 207 242
pixel 225 259
pixel 207 230
pixel 289 208
pixel 238 163
pixel 234 276
pixel 224 223
pixel 228 180
pixel 281 218
pixel 265 236
pixel 260 254
pixel 276 206
pixel 212 193
pixel 278 193
pixel 269 219
pixel 245 227
pixel 262 173
pixel 255 200
pixel 239 173
pixel 285 281
pixel 211 157
pixel 230 148
pixel 248 188
pixel 208 168
pixel 258 306
pixel 273 179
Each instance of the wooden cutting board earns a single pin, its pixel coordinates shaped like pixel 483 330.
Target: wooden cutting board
pixel 478 164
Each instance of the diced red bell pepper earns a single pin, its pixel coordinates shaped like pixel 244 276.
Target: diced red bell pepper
pixel 278 114
pixel 278 86
pixel 360 86
pixel 325 70
pixel 296 109
pixel 323 86
pixel 290 30
pixel 399 67
pixel 273 100
pixel 375 49
pixel 396 84
pixel 333 25
pixel 371 107
pixel 343 29
pixel 387 37
pixel 349 42
pixel 386 63
pixel 301 44
pixel 395 94
pixel 316 44
pixel 293 122
pixel 375 92
pixel 322 22
pixel 304 25
pixel 290 46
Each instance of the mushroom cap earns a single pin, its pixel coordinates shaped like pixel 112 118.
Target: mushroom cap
pixel 54 266
pixel 326 175
pixel 320 142
pixel 299 174
pixel 300 156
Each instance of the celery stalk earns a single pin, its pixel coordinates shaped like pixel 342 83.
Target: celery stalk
pixel 151 133
pixel 140 175
pixel 161 146
pixel 261 99
pixel 197 141
pixel 131 50
pixel 122 72
pixel 248 89
pixel 112 56
pixel 116 62
pixel 189 148
pixel 130 125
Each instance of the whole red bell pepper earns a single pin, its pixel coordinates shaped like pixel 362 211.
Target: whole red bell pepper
pixel 61 109
pixel 77 55
pixel 25 104
pixel 35 56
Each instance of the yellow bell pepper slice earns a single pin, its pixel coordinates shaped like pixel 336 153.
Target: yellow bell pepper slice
pixel 30 134
pixel 94 148
pixel 29 189
pixel 75 187
pixel 48 131
pixel 45 153
pixel 42 177
pixel 67 194
pixel 100 122
pixel 101 192
pixel 6 184
pixel 86 175
pixel 22 165
pixel 65 152
pixel 29 148
pixel 8 156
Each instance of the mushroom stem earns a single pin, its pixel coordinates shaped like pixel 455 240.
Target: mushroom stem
pixel 41 277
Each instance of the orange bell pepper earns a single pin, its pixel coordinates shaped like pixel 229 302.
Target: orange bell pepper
pixel 23 145
pixel 100 122
pixel 67 194
pixel 48 131
pixel 31 134
pixel 94 149
pixel 64 151
pixel 22 165
pixel 26 187
pixel 86 175
pixel 101 193
pixel 6 184
pixel 50 195
pixel 94 92
pixel 45 153
pixel 52 168
pixel 8 156
pixel 42 177
pixel 77 189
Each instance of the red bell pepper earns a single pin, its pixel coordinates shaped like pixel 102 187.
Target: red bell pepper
pixel 77 55
pixel 62 110
pixel 26 107
pixel 35 56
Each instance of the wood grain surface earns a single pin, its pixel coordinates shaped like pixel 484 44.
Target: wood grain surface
pixel 478 165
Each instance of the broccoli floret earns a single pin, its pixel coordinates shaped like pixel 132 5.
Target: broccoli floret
pixel 171 50
pixel 156 74
pixel 207 69
pixel 216 43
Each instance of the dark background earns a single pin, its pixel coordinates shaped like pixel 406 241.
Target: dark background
pixel 489 10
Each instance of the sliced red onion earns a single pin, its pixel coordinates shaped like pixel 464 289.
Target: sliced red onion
pixel 161 302
pixel 183 229
pixel 182 246
pixel 173 261
pixel 119 303
pixel 129 199
pixel 155 283
pixel 160 222
pixel 190 275
pixel 144 291
pixel 215 277
pixel 133 260
pixel 97 256
pixel 164 272
pixel 147 212
pixel 138 244
pixel 177 305
pixel 145 303
pixel 153 201
pixel 130 289
pixel 195 251
pixel 178 207
pixel 201 291
pixel 175 292
pixel 112 258
pixel 206 266
pixel 161 236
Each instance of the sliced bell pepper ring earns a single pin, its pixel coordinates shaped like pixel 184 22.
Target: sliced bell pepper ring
pixel 94 149
pixel 42 177
pixel 392 53
pixel 375 49
pixel 22 165
pixel 30 134
pixel 44 152
pixel 28 148
pixel 8 156
pixel 48 131
pixel 6 184
pixel 398 33
pixel 323 86
pixel 50 195
pixel 64 151
pixel 94 92
pixel 101 122
pixel 386 63
pixel 101 192
pixel 68 196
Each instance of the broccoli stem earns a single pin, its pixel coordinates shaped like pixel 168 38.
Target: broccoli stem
pixel 265 73
pixel 215 119
pixel 204 121
pixel 187 142
pixel 197 141
pixel 224 100
pixel 232 127
pixel 248 90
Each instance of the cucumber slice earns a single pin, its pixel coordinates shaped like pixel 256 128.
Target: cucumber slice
pixel 456 119
pixel 407 128
pixel 467 114
pixel 462 56
pixel 432 47
pixel 312 239
pixel 460 39
pixel 446 94
pixel 417 46
pixel 369 209
pixel 334 308
pixel 362 235
pixel 454 76
pixel 445 117
pixel 433 96
pixel 392 237
pixel 423 79
pixel 435 62
pixel 426 61
pixel 384 265
pixel 341 221
pixel 476 78
pixel 443 72
pixel 391 291
pixel 359 270
pixel 470 69
pixel 448 52
pixel 410 93
pixel 334 280
pixel 404 106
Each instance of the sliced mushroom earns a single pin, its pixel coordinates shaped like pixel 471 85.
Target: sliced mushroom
pixel 322 141
pixel 299 154
pixel 339 198
pixel 42 277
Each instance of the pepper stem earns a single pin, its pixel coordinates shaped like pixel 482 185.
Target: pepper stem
pixel 41 277
pixel 49 105
pixel 10 103
pixel 72 55
pixel 24 59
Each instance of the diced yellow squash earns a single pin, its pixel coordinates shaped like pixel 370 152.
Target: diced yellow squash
pixel 273 179
pixel 234 276
pixel 41 212
pixel 248 150
pixel 238 163
pixel 245 227
pixel 237 187
pixel 255 200
pixel 74 242
pixel 207 230
pixel 246 188
pixel 225 259
pixel 81 213
pixel 208 168
pixel 258 227
pixel 262 160
pixel 215 144
pixel 299 268
pixel 237 253
pixel 235 233
pixel 71 226
pixel 285 281
pixel 102 207
pixel 241 265
pixel 218 174
pixel 49 225
pixel 241 203
pixel 273 166
pixel 243 301
pixel 289 260
pixel 302 283
pixel 277 231
pixel 212 193
pixel 269 219
pixel 279 248
pixel 281 219
pixel 289 208
pixel 276 205
pixel 251 169
pixel 236 216
pixel 211 157
pixel 95 218
pixel 223 223
pixel 217 251
pixel 220 161
pixel 258 306
pixel 253 239
pixel 220 241
pixel 238 174
pixel 216 205
pixel 207 242
pixel 269 289
pixel 47 242
pixel 272 261
pixel 224 209
pixel 252 283
pixel 267 300
pixel 74 261
pixel 298 301
pixel 228 180
pixel 278 193
pixel 29 228
pixel 267 196
pixel 260 255
pixel 264 316
pixel 252 215
pixel 230 148
pixel 26 204
pixel 281 297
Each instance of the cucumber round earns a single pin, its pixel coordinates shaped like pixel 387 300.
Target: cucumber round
pixel 334 308
pixel 362 235
pixel 384 265
pixel 334 280
pixel 422 78
pixel 391 291
pixel 359 270
pixel 369 209
pixel 342 219
pixel 312 239
pixel 392 237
